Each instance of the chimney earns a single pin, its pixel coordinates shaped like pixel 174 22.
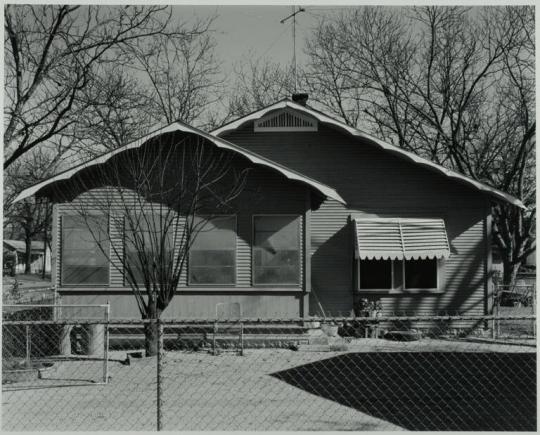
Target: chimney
pixel 300 98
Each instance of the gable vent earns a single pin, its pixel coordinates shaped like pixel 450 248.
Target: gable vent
pixel 285 120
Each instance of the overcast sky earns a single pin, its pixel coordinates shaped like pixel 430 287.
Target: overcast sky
pixel 240 29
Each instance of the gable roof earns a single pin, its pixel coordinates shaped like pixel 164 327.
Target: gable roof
pixel 322 117
pixel 290 174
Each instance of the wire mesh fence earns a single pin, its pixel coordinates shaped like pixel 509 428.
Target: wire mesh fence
pixel 514 300
pixel 385 373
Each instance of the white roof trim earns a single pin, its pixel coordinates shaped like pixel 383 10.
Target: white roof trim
pixel 381 144
pixel 179 126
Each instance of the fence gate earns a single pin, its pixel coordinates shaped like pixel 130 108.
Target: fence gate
pixel 45 346
pixel 514 300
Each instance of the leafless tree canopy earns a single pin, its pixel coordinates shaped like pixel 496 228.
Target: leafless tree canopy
pixel 453 84
pixel 149 198
pixel 56 56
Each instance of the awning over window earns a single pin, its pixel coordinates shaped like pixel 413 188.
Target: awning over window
pixel 401 238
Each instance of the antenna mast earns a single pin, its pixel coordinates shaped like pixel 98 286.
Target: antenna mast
pixel 293 16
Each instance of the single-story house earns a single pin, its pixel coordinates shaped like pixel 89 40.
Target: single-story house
pixel 17 248
pixel 347 216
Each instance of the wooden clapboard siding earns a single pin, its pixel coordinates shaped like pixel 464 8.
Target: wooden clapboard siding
pixel 254 304
pixel 374 184
pixel 266 193
pixel 377 184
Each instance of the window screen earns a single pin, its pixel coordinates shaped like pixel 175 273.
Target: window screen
pixel 83 262
pixel 421 274
pixel 148 241
pixel 375 274
pixel 212 257
pixel 276 250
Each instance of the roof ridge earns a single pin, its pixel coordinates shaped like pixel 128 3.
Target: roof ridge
pixel 288 173
pixel 457 176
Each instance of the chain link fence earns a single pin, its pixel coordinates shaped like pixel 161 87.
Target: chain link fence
pixel 384 373
pixel 514 300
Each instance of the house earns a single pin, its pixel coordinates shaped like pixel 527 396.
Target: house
pixel 347 216
pixel 17 248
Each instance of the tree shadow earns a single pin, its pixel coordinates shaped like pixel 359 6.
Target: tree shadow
pixel 428 391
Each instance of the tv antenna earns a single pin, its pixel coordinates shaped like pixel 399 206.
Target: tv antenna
pixel 293 16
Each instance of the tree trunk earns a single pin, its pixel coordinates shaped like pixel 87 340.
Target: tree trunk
pixel 28 255
pixel 510 271
pixel 151 341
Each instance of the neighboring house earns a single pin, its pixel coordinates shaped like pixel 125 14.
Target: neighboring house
pixel 347 216
pixel 17 249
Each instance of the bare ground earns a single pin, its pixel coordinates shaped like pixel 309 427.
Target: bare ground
pixel 263 390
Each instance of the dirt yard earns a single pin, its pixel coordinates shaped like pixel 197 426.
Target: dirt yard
pixel 368 387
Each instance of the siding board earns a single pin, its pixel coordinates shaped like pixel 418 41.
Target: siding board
pixel 266 193
pixel 376 184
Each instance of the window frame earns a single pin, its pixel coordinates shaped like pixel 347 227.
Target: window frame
pixel 298 218
pixel 420 289
pixel 377 290
pixel 214 285
pixel 62 217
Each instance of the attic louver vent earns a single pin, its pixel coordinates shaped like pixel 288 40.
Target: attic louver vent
pixel 285 120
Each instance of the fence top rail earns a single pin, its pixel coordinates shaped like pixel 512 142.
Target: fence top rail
pixel 515 286
pixel 255 321
pixel 56 306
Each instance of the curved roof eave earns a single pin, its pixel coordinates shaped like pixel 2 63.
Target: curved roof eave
pixel 323 189
pixel 321 117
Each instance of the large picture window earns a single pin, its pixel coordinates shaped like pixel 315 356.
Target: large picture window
pixel 420 274
pixel 375 274
pixel 84 241
pixel 276 250
pixel 212 257
pixel 148 240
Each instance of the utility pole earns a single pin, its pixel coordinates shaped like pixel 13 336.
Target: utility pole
pixel 293 16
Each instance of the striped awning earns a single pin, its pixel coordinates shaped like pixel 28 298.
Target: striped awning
pixel 401 238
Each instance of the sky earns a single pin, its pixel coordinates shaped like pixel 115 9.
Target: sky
pixel 241 29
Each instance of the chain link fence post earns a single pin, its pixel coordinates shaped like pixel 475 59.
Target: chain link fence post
pixel 159 375
pixel 28 346
pixel 106 345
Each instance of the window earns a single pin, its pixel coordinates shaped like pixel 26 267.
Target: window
pixel 212 257
pixel 375 274
pixel 148 241
pixel 83 243
pixel 420 274
pixel 276 250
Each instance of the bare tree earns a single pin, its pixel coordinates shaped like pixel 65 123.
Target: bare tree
pixel 259 83
pixel 151 197
pixel 52 53
pixel 452 84
pixel 117 113
pixel 29 219
pixel 181 76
